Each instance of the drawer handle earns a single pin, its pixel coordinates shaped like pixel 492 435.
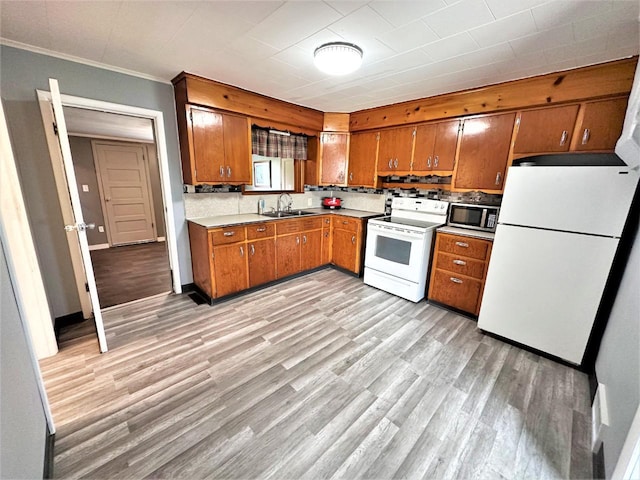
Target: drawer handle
pixel 459 262
pixel 353 239
pixel 391 163
pixel 563 137
pixel 229 234
pixel 429 162
pixel 435 161
pixel 498 178
pixel 395 163
pixel 455 280
pixel 253 250
pixel 242 251
pixel 262 229
pixel 344 222
pixel 585 136
pixel 229 172
pixel 222 171
pixel 462 244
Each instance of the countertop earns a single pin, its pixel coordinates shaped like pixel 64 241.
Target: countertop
pixel 467 232
pixel 245 218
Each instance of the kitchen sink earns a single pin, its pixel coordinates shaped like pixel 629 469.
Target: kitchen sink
pixel 294 213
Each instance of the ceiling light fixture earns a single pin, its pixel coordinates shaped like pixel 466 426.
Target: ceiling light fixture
pixel 338 58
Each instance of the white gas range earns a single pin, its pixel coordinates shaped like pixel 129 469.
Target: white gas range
pixel 399 246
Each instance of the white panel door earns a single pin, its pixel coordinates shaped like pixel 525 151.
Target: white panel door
pixel 126 192
pixel 577 199
pixel 543 288
pixel 79 226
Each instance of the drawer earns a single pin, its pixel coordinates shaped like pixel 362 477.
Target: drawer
pixel 456 291
pixel 314 223
pixel 287 226
pixel 261 230
pixel 465 246
pixel 346 223
pixel 221 236
pixel 461 265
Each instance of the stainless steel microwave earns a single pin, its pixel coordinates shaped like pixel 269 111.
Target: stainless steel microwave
pixel 476 217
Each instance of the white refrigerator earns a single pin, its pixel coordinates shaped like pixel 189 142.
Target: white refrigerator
pixel 557 235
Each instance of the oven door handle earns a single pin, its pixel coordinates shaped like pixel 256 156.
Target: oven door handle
pixel 392 232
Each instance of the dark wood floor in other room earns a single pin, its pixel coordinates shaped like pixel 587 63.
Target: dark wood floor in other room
pixel 131 272
pixel 318 377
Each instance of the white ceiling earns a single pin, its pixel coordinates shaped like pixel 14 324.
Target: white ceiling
pixel 412 49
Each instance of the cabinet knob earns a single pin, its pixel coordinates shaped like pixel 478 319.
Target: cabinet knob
pixel 455 280
pixel 498 178
pixel 563 137
pixel 326 234
pixel 585 136
pixel 353 239
pixel 304 239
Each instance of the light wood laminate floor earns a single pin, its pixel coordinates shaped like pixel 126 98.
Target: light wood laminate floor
pixel 318 377
pixel 131 272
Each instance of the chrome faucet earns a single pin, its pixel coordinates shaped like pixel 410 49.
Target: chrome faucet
pixel 287 207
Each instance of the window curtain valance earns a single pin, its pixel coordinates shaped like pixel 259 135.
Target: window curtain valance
pixel 270 143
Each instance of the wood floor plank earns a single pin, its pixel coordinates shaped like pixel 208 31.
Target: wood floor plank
pixel 318 377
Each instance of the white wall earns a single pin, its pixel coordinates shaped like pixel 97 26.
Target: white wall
pixel 22 417
pixel 618 362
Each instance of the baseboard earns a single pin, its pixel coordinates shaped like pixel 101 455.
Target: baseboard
pixel 65 321
pixel 188 287
pixel 98 246
pixel 49 447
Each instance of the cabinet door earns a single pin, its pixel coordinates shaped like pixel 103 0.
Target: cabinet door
pixel 326 246
pixel 404 149
pixel 262 265
pixel 230 268
pixel 345 249
pixel 208 145
pixel 545 130
pixel 311 251
pixel 484 152
pixel 386 152
pixel 334 149
pixel 363 150
pixel 287 255
pixel 446 142
pixel 237 149
pixel 601 125
pixel 423 152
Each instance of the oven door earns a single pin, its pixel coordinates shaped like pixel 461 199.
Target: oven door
pixel 396 252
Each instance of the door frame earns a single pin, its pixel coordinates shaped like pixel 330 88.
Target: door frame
pixel 44 98
pixel 96 162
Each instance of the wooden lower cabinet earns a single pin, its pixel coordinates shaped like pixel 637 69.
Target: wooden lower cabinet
pixel 346 249
pixel 311 250
pixel 287 255
pixel 230 268
pixel 262 267
pixel 227 260
pixel 459 271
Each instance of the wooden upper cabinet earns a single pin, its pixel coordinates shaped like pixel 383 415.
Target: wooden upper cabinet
pixel 600 124
pixel 237 148
pixel 218 147
pixel 423 152
pixel 395 151
pixel 207 146
pixel 545 130
pixel 363 151
pixel 484 152
pixel 435 148
pixel 334 148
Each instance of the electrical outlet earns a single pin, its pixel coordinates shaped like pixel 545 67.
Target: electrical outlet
pixel 309 202
pixel 100 228
pixel 85 188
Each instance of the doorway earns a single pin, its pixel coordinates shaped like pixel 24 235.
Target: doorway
pixel 121 195
pixel 81 261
